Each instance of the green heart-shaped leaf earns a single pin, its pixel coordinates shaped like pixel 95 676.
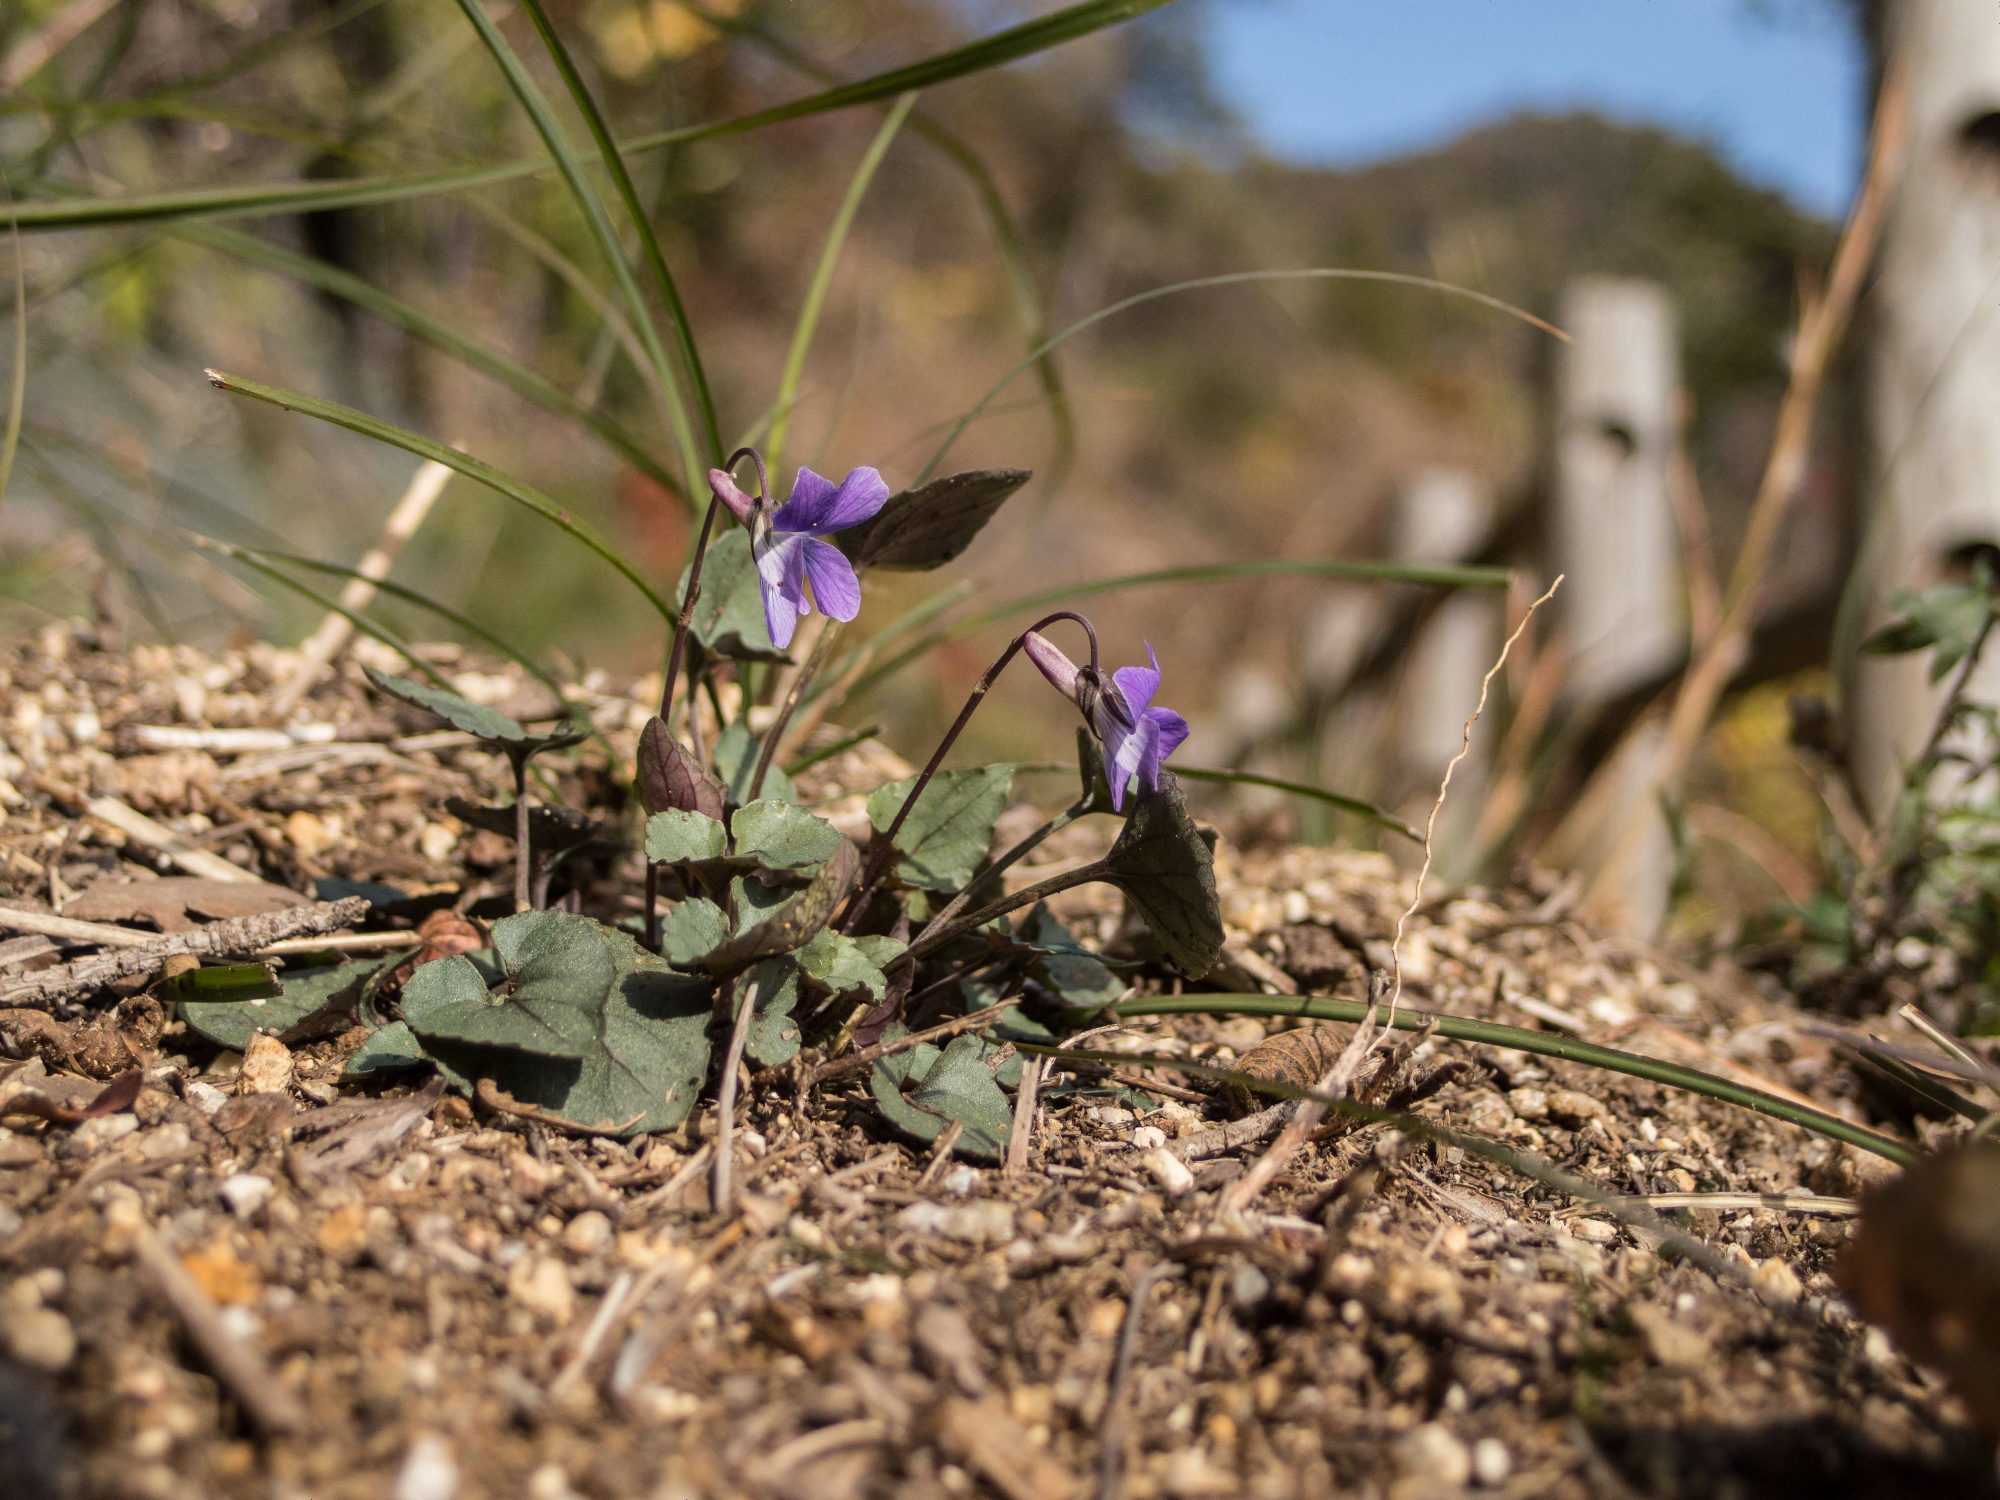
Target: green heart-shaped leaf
pixel 943 841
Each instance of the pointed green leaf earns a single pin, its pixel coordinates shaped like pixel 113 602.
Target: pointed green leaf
pixel 776 919
pixel 845 966
pixel 1163 863
pixel 779 835
pixel 921 1091
pixel 728 618
pixel 678 838
pixel 929 526
pixel 459 712
pixel 690 930
pixel 945 837
pixel 774 1032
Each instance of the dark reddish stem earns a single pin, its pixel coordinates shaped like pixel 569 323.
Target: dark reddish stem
pixel 694 577
pixel 884 843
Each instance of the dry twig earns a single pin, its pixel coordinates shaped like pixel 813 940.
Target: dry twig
pixel 236 936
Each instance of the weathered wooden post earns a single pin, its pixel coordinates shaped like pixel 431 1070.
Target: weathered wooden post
pixel 1934 364
pixel 1617 391
pixel 1444 515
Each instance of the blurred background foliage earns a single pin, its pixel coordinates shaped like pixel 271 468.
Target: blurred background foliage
pixel 1267 420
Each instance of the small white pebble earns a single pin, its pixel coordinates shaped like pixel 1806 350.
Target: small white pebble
pixel 1434 1456
pixel 961 1180
pixel 589 1233
pixel 1149 1137
pixel 1169 1171
pixel 205 1097
pixel 41 1337
pixel 245 1193
pixel 1491 1463
pixel 1594 1231
pixel 429 1472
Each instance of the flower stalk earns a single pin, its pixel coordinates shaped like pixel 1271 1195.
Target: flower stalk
pixel 884 844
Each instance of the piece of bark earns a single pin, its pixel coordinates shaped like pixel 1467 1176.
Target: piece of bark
pixel 171 904
pixel 240 936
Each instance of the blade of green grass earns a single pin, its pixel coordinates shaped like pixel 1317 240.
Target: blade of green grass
pixel 1542 1044
pixel 1628 1210
pixel 408 595
pixel 401 437
pixel 1233 278
pixel 1437 576
pixel 1006 234
pixel 840 746
pixel 360 622
pixel 436 332
pixel 822 277
pixel 1354 805
pixel 649 243
pixel 570 165
pixel 995 51
pixel 17 390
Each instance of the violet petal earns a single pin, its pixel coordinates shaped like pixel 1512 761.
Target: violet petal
pixel 834 585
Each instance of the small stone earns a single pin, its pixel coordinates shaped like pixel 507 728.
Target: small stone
pixel 1777 1280
pixel 1594 1231
pixel 267 1067
pixel 1248 1287
pixel 589 1233
pixel 93 1136
pixel 245 1193
pixel 1149 1138
pixel 1431 1458
pixel 528 1177
pixel 429 1472
pixel 1575 1109
pixel 1673 1344
pixel 541 1284
pixel 1178 1120
pixel 1529 1103
pixel 41 1337
pixel 1169 1171
pixel 205 1097
pixel 1491 1463
pixel 961 1180
pixel 1110 1114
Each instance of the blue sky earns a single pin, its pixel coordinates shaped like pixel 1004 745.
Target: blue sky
pixel 1345 82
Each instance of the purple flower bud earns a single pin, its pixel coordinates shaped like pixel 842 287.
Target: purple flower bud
pixel 1059 669
pixel 1136 737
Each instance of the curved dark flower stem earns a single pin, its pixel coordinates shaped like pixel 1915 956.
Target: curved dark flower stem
pixel 523 851
pixel 1019 852
pixel 1027 896
pixel 694 576
pixel 885 842
pixel 721 1187
pixel 821 648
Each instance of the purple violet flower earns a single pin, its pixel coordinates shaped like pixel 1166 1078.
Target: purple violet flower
pixel 786 543
pixel 1136 737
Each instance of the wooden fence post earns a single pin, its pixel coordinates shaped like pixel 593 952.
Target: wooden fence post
pixel 1934 364
pixel 1615 540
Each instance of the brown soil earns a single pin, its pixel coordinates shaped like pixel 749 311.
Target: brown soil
pixel 324 1290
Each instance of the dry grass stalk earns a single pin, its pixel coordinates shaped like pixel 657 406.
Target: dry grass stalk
pixel 1243 1192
